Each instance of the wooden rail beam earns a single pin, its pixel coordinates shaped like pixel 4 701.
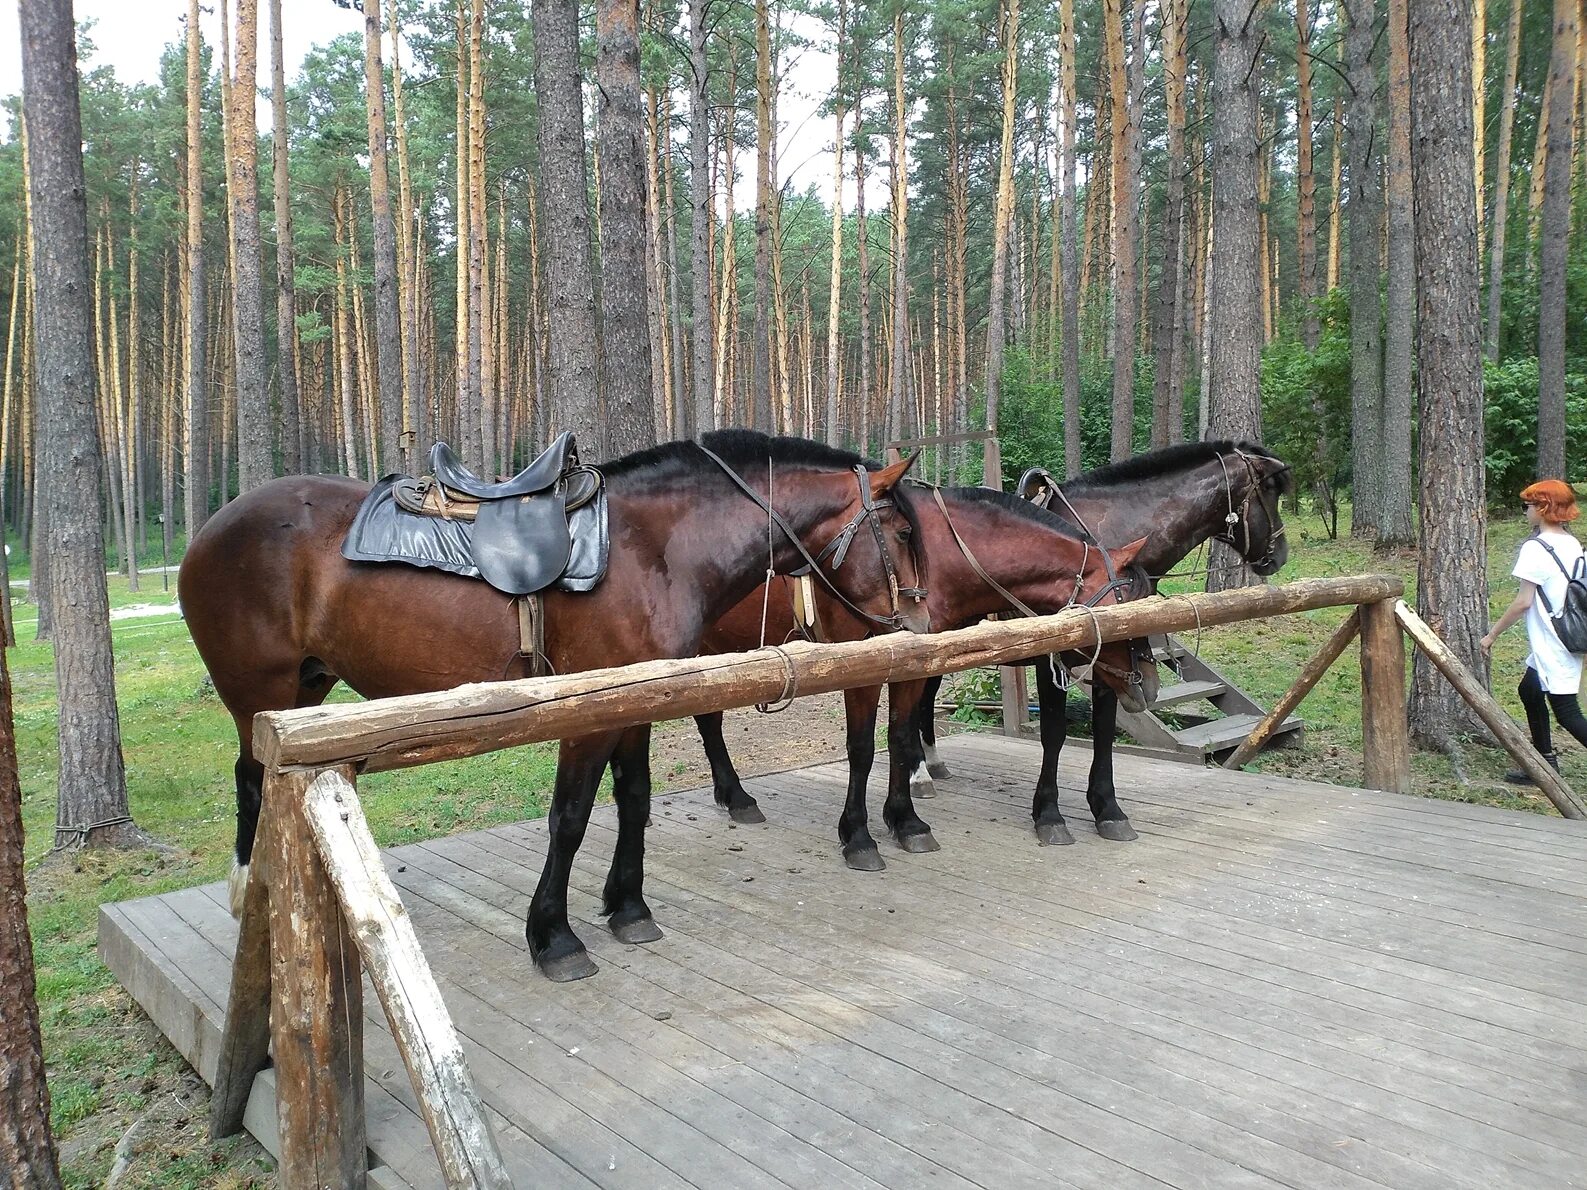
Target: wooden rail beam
pixel 1310 674
pixel 470 720
pixel 420 1024
pixel 1508 732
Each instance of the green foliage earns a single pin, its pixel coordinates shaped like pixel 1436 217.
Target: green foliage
pixel 1511 424
pixel 1306 405
pixel 1031 421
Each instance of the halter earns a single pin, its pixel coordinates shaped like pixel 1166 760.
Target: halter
pixel 1242 516
pixel 838 547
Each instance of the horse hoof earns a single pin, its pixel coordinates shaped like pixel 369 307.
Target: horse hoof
pixel 1118 830
pixel 921 787
pixel 566 968
pixel 237 887
pixel 938 770
pixel 749 815
pixel 867 859
pixel 919 844
pixel 1053 834
pixel 640 930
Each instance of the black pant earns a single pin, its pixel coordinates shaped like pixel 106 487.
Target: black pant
pixel 1537 702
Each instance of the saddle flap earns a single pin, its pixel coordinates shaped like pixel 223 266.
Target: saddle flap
pixel 522 545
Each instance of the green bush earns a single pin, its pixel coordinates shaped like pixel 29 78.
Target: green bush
pixel 1306 407
pixel 1511 423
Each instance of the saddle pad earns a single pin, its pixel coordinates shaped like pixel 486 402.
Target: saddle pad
pixel 384 532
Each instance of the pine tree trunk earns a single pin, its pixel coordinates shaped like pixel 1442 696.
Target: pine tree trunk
pixel 1165 331
pixel 414 420
pixel 465 412
pixel 1479 73
pixel 564 198
pixel 478 436
pixel 662 394
pixel 92 786
pixel 1394 525
pixel 1334 198
pixel 1501 182
pixel 1008 41
pixel 347 383
pixel 132 445
pixel 683 409
pixel 1307 179
pixel 1234 404
pixel 388 314
pixel 255 455
pixel 862 418
pixel 1555 236
pixel 901 402
pixel 1366 218
pixel 834 427
pixel 625 317
pixel 700 221
pixel 1451 593
pixel 1126 173
pixel 286 290
pixel 195 348
pixel 1071 245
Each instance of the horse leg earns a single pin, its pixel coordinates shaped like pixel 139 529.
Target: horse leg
pixel 936 768
pixel 922 728
pixel 553 945
pixel 904 759
pixel 305 685
pixel 623 901
pixel 854 832
pixel 725 784
pixel 1051 829
pixel 1112 822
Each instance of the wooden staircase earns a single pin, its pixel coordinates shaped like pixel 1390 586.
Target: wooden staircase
pixel 1211 715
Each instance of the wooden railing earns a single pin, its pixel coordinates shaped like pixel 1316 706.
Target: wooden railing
pixel 320 909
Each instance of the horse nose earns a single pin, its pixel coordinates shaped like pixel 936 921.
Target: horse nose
pixel 914 616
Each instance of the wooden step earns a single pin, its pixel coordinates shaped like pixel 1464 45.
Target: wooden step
pixel 1218 735
pixel 1187 691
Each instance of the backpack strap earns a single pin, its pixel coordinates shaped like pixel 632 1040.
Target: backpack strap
pixel 1547 606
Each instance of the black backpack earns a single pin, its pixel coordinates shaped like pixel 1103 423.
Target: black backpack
pixel 1570 622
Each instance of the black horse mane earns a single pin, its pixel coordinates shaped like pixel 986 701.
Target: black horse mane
pixel 740 449
pixel 1170 460
pixel 1008 502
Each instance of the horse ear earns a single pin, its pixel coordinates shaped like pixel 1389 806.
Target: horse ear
pixel 887 478
pixel 1125 555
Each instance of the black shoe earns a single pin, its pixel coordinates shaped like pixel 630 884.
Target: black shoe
pixel 1522 777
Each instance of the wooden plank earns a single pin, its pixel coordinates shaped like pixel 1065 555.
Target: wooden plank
pixel 1299 689
pixel 316 1012
pixel 1515 741
pixel 245 1040
pixel 1016 698
pixel 1385 731
pixel 459 1128
pixel 401 732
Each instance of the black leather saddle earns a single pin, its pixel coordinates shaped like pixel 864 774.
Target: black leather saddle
pixel 546 525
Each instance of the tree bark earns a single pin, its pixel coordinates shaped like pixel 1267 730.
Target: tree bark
pixel 286 286
pixel 255 454
pixel 415 408
pixel 1394 525
pixel 1307 179
pixel 902 404
pixel 1071 244
pixel 388 316
pixel 1126 182
pixel 564 198
pixel 1008 41
pixel 1165 330
pixel 833 427
pixel 862 243
pixel 1334 198
pixel 1501 181
pixel 1235 403
pixel 700 221
pixel 760 349
pixel 1451 593
pixel 27 1150
pixel 479 436
pixel 92 789
pixel 625 317
pixel 195 348
pixel 1366 220
pixel 1555 237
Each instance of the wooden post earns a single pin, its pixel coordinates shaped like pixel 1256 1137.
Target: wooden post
pixel 1385 728
pixel 1309 675
pixel 1016 699
pixel 420 1024
pixel 317 1009
pixel 1507 731
pixel 245 1045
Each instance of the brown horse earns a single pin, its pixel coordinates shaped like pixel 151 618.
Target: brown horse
pixel 279 616
pixel 984 546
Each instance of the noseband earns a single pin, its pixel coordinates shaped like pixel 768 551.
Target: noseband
pixel 869 511
pixel 1242 515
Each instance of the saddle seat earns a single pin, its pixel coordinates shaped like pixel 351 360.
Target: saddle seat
pixel 556 461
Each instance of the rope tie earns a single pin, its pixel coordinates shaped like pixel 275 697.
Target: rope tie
pixel 78 835
pixel 790 683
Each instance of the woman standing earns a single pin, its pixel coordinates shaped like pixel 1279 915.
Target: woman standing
pixel 1546 561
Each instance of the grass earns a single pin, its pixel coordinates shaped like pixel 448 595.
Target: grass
pixel 108 1067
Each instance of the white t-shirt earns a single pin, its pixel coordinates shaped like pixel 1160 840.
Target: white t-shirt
pixel 1558 669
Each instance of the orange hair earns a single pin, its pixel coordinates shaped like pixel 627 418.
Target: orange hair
pixel 1555 499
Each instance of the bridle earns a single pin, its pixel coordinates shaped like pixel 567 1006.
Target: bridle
pixel 1242 516
pixel 838 548
pixel 1115 586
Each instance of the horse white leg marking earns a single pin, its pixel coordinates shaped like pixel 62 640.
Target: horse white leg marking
pixel 237 887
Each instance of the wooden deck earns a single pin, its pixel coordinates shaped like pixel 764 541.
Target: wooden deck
pixel 1280 984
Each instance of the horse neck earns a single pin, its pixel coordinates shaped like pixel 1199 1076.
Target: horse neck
pixel 1036 563
pixel 1175 512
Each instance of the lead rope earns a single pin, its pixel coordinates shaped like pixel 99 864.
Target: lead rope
pixel 790 683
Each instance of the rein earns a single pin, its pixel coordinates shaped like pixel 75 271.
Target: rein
pixel 839 545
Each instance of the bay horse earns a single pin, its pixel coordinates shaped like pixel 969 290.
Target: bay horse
pixel 279 617
pixel 1178 498
pixel 1018 550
